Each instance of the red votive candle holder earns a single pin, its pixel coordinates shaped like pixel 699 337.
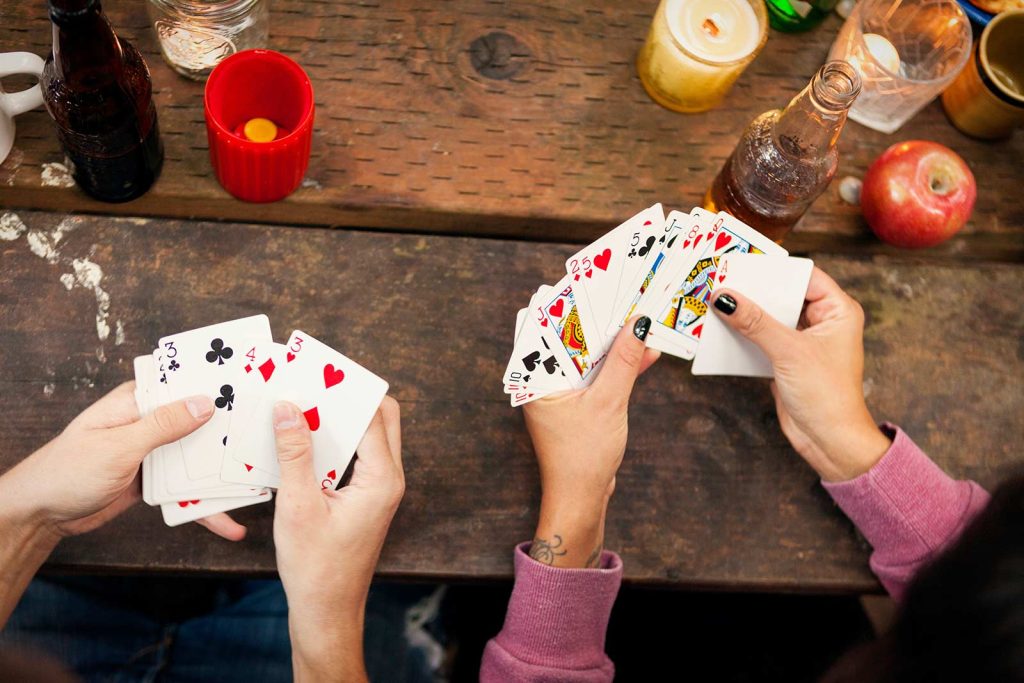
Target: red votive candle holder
pixel 259 84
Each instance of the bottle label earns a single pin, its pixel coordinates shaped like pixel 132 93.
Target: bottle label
pixel 190 47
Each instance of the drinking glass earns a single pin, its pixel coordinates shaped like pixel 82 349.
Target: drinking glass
pixel 906 51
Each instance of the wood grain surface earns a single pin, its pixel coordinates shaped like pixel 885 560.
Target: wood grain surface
pixel 520 119
pixel 709 495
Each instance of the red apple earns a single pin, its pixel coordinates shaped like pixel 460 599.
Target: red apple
pixel 917 194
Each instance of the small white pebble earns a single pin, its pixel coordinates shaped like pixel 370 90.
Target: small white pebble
pixel 849 190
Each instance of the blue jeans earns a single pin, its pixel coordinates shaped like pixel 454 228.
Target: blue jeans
pixel 121 630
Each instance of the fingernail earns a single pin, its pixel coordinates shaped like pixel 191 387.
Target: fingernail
pixel 641 327
pixel 285 416
pixel 726 304
pixel 199 406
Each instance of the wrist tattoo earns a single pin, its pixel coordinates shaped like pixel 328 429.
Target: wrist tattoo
pixel 595 558
pixel 544 551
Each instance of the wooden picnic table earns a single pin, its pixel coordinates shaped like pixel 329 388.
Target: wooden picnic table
pixel 462 150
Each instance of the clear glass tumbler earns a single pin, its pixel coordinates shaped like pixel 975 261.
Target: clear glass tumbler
pixel 906 51
pixel 195 35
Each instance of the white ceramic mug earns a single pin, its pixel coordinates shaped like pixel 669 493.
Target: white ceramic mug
pixel 12 104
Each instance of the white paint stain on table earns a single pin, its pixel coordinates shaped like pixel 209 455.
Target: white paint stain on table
pixel 11 226
pixel 43 243
pixel 85 274
pixel 56 175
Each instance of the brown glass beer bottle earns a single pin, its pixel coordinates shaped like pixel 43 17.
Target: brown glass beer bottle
pixel 97 89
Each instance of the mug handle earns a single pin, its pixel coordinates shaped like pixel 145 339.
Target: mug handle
pixel 21 63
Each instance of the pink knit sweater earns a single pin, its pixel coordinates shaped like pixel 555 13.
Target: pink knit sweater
pixel 906 507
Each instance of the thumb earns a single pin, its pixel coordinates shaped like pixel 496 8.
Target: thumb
pixel 170 422
pixel 625 360
pixel 746 317
pixel 294 449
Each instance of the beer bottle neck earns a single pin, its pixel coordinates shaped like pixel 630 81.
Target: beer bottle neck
pixel 83 38
pixel 810 124
pixel 71 10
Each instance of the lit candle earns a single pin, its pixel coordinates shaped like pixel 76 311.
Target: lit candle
pixel 883 51
pixel 696 49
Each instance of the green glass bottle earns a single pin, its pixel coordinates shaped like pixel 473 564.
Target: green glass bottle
pixel 793 16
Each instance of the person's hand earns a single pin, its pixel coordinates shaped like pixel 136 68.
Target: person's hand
pixel 89 474
pixel 819 368
pixel 580 439
pixel 328 541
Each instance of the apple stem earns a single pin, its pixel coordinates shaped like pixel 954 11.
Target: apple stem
pixel 940 183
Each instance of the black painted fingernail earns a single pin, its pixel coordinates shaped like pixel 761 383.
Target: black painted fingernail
pixel 726 304
pixel 641 327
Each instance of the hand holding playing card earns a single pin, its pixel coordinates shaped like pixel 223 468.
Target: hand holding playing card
pixel 818 368
pixel 580 439
pixel 328 541
pixel 87 475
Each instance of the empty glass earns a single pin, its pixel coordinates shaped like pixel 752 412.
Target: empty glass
pixel 195 35
pixel 906 51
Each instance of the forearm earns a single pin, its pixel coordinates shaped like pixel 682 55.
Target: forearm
pixel 328 650
pixel 25 543
pixel 908 508
pixel 570 533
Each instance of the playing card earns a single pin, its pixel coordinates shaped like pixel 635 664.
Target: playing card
pixel 263 363
pixel 642 250
pixel 634 291
pixel 695 229
pixel 558 319
pixel 179 512
pixel 533 363
pixel 169 479
pixel 157 485
pixel 337 396
pixel 778 284
pixel 204 361
pixel 678 327
pixel 599 267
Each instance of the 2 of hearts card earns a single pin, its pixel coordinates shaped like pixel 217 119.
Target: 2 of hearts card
pixel 231 461
pixel 664 267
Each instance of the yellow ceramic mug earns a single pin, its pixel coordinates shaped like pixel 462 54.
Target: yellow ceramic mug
pixel 987 98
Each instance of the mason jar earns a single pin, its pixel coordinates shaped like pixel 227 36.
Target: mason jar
pixel 195 35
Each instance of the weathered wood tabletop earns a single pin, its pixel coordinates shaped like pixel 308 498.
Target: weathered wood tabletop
pixel 444 135
pixel 519 118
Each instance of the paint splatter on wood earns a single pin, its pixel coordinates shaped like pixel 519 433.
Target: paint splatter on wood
pixel 11 226
pixel 56 175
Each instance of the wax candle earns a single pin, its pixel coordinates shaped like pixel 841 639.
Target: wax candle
pixel 883 51
pixel 696 49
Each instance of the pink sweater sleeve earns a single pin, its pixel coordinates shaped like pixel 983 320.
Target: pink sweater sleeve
pixel 908 509
pixel 555 625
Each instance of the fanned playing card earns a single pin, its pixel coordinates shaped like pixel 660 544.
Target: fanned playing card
pixel 678 327
pixel 561 327
pixel 778 284
pixel 599 268
pixel 631 295
pixel 337 397
pixel 666 268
